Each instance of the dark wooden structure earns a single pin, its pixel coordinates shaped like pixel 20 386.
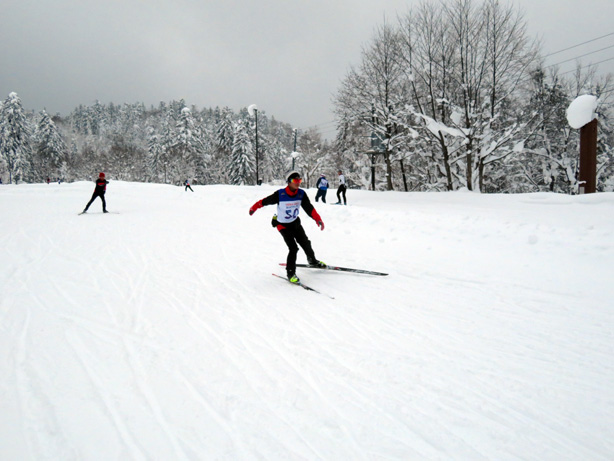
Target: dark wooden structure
pixel 588 158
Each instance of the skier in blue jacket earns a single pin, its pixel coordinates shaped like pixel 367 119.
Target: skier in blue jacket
pixel 322 186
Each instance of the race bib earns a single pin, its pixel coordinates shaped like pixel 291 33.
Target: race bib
pixel 288 211
pixel 288 207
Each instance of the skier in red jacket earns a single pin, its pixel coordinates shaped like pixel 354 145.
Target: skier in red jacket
pixel 99 191
pixel 289 200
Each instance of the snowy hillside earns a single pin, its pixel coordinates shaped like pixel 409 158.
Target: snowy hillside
pixel 159 332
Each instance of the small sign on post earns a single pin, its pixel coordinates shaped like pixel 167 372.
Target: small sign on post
pixel 581 115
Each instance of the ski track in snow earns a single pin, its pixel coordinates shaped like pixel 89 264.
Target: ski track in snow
pixel 158 333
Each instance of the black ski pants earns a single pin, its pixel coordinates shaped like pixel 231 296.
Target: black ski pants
pixel 94 195
pixel 294 233
pixel 340 191
pixel 321 193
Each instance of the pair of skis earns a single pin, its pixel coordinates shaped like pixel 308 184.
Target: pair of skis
pixel 104 212
pixel 329 268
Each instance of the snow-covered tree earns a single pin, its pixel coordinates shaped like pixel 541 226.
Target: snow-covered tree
pixel 222 144
pixel 15 133
pixel 96 118
pixel 371 95
pixel 549 155
pixel 466 61
pixel 185 146
pixel 187 136
pixel 50 147
pixel 241 166
pixel 155 155
pixel 312 160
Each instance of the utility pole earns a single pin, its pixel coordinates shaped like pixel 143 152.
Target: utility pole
pixel 257 170
pixel 253 111
pixel 588 158
pixel 294 156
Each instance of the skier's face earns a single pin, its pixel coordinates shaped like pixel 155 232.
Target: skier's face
pixel 294 184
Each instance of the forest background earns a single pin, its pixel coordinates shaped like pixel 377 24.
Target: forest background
pixel 449 96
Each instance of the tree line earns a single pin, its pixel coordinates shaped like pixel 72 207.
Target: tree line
pixel 451 95
pixel 455 95
pixel 166 144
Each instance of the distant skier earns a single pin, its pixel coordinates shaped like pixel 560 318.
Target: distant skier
pixel 341 190
pixel 322 186
pixel 99 191
pixel 289 201
pixel 187 185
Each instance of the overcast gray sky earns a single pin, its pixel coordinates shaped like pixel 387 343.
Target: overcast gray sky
pixel 286 56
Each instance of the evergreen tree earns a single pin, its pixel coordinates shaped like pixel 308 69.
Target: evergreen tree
pixel 242 163
pixel 78 119
pixel 224 132
pixel 50 148
pixel 167 139
pixel 15 132
pixel 155 155
pixel 222 145
pixel 96 118
pixel 187 146
pixel 279 143
pixel 187 142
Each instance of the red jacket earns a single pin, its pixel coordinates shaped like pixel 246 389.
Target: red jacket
pixel 101 186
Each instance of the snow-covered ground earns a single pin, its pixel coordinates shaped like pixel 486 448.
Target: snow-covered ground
pixel 159 332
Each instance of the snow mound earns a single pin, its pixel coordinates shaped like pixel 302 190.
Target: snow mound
pixel 582 111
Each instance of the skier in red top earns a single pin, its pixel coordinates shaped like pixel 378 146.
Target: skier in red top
pixel 101 188
pixel 289 200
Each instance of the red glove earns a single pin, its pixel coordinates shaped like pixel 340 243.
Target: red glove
pixel 255 206
pixel 318 220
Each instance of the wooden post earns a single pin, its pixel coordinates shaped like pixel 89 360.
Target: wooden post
pixel 373 172
pixel 588 158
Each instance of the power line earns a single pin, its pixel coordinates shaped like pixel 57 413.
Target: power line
pixel 322 126
pixel 581 56
pixel 579 44
pixel 588 65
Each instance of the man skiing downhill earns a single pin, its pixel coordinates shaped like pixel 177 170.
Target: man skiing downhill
pixel 289 201
pixel 99 191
